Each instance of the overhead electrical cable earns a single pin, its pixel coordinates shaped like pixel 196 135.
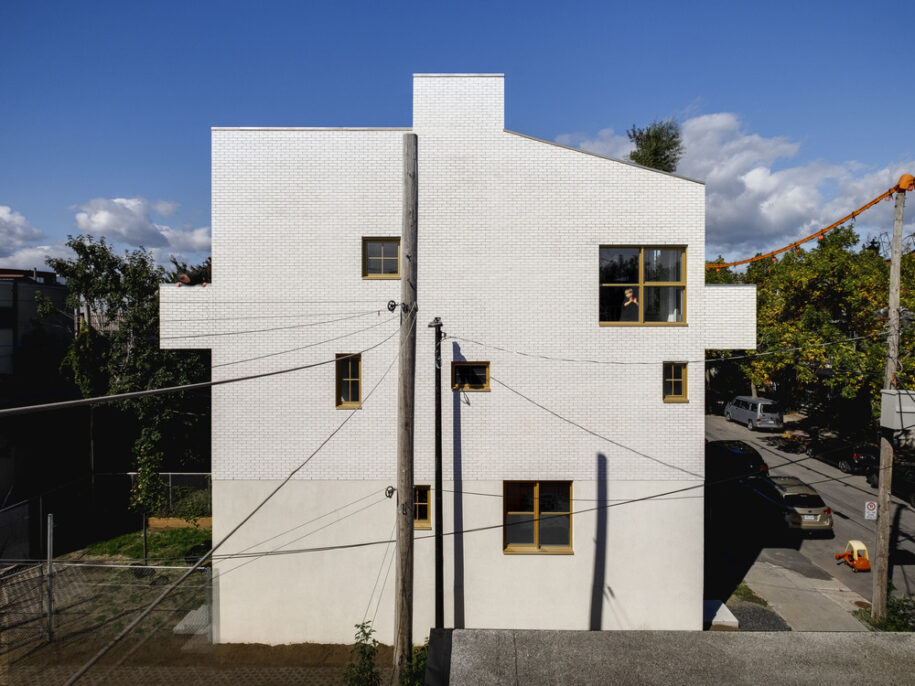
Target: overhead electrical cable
pixel 250 331
pixel 95 658
pixel 173 389
pixel 905 184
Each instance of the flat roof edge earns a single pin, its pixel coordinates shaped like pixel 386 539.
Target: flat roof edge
pixel 311 128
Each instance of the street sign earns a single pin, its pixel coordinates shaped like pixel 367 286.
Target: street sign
pixel 870 509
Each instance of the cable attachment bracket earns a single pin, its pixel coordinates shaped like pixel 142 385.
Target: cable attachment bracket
pixel 391 305
pixel 389 492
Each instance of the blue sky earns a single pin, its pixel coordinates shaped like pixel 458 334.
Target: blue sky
pixel 794 113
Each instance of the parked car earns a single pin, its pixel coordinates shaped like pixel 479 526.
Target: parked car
pixel 850 457
pixel 756 413
pixel 797 504
pixel 732 461
pixel 903 485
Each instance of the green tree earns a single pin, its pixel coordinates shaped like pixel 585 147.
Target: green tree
pixel 117 351
pixel 659 145
pixel 819 314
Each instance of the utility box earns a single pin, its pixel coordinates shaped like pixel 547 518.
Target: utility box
pixel 897 410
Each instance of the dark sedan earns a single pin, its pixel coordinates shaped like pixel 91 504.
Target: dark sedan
pixel 850 457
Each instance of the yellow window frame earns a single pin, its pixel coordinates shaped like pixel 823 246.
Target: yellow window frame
pixel 642 284
pixel 535 548
pixel 422 502
pixel 386 242
pixel 671 373
pixel 455 386
pixel 348 371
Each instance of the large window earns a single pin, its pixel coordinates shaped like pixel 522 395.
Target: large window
pixel 537 517
pixel 421 515
pixel 470 376
pixel 349 381
pixel 675 382
pixel 642 286
pixel 380 258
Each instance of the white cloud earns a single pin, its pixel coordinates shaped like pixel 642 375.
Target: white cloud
pixel 15 232
pixel 606 142
pixel 34 257
pixel 755 200
pixel 128 220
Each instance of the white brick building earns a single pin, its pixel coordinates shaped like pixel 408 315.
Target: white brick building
pixel 518 239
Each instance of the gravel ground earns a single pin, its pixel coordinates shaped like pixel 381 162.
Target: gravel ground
pixel 753 617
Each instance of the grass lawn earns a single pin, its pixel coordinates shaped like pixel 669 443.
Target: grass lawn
pixel 170 544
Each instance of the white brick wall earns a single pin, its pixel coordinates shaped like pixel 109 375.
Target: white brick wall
pixel 509 236
pixel 730 316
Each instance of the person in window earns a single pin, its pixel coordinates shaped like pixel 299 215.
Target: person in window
pixel 199 276
pixel 630 309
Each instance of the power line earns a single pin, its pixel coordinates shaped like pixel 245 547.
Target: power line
pixel 170 389
pixel 209 554
pixel 310 345
pixel 624 363
pixel 268 316
pixel 273 328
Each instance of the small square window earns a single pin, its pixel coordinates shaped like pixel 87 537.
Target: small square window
pixel 349 381
pixel 380 258
pixel 470 376
pixel 421 515
pixel 674 382
pixel 537 517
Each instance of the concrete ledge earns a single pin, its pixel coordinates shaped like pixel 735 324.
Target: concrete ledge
pixel 717 615
pixel 498 657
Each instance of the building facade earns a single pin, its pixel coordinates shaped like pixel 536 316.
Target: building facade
pixel 571 289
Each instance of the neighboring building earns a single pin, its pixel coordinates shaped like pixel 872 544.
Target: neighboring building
pixel 524 245
pixel 20 325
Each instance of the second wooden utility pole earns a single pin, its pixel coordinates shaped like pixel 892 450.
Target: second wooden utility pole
pixel 881 559
pixel 403 617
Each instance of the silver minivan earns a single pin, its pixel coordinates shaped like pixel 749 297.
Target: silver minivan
pixel 756 413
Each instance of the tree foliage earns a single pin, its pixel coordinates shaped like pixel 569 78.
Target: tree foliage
pixel 659 145
pixel 819 321
pixel 117 351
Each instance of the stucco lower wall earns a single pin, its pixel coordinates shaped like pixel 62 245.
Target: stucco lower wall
pixel 644 573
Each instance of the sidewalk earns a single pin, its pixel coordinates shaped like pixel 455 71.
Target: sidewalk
pixel 806 604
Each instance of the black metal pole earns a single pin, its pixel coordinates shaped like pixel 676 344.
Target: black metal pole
pixel 439 518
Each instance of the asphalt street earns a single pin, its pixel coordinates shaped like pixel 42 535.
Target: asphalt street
pixel 846 494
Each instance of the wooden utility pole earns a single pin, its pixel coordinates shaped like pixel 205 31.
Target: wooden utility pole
pixel 881 559
pixel 403 618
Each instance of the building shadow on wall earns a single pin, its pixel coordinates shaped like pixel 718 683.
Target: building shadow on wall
pixel 456 452
pixel 599 578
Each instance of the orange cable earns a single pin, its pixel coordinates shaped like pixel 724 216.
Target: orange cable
pixel 900 187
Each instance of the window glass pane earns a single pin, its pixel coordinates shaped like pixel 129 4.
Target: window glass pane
pixel 668 388
pixel 519 529
pixel 663 264
pixel 554 529
pixel 664 304
pixel 373 248
pixel 389 266
pixel 619 265
pixel 619 304
pixel 554 497
pixel 470 375
pixel 519 497
pixel 677 388
pixel 422 511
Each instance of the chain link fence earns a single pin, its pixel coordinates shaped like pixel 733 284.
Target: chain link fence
pixel 80 607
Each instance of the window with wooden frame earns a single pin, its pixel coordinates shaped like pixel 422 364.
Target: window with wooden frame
pixel 422 518
pixel 675 382
pixel 380 258
pixel 642 286
pixel 470 376
pixel 537 517
pixel 349 381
